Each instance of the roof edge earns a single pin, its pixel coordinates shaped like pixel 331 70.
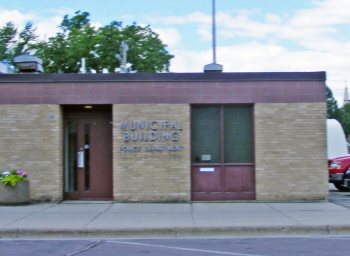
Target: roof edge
pixel 164 77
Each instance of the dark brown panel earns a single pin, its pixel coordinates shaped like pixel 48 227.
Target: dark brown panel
pixel 239 196
pixel 236 182
pixel 207 182
pixel 239 179
pixel 162 77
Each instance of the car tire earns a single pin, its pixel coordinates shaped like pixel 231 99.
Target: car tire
pixel 340 187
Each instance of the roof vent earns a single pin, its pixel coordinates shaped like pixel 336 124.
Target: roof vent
pixel 213 67
pixel 28 64
pixel 4 69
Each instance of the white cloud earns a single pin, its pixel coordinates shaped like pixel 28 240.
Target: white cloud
pixel 190 61
pixel 15 17
pixel 48 27
pixel 256 57
pixel 169 36
pixel 329 12
pixel 45 26
pixel 126 16
pixel 61 11
pixel 96 25
pixel 194 17
pixel 273 19
pixel 205 31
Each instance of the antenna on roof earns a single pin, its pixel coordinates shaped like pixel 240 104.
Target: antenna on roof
pixel 83 69
pixel 124 48
pixel 213 67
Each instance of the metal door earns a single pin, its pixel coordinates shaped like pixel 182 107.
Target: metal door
pixel 222 153
pixel 88 158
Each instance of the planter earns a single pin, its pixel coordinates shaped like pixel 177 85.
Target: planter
pixel 18 194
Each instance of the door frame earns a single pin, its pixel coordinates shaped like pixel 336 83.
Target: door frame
pixel 81 112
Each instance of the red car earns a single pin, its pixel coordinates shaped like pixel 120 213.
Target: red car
pixel 336 168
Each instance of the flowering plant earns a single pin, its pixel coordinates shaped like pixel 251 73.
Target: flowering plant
pixel 12 177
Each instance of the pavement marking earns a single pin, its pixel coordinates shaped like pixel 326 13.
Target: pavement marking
pixel 85 249
pixel 184 249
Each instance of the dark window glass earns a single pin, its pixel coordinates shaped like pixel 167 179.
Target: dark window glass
pixel 71 142
pixel 206 135
pixel 87 156
pixel 238 138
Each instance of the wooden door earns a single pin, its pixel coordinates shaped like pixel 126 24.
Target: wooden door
pixel 223 182
pixel 88 158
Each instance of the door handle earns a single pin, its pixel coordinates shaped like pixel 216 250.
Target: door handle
pixel 81 159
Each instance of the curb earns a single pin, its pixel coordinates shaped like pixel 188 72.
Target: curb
pixel 176 232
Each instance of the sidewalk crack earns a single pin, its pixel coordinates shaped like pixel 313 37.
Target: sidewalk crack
pixel 29 215
pixel 193 219
pixel 98 215
pixel 284 214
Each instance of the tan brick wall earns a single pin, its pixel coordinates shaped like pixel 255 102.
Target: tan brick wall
pixel 153 175
pixel 291 151
pixel 31 140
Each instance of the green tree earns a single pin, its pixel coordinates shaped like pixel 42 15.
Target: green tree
pixel 79 39
pixel 332 106
pixel 345 120
pixel 27 38
pixel 7 38
pixel 13 43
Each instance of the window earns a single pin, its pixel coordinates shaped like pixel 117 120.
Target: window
pixel 222 134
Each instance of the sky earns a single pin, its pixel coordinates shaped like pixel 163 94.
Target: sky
pixel 251 35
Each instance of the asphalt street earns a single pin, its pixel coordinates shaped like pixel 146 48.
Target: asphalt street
pixel 310 245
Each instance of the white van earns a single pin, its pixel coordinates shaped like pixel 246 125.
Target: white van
pixel 336 140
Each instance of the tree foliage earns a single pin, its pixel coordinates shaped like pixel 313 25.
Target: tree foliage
pixel 13 43
pixel 332 106
pixel 99 46
pixel 341 114
pixel 345 119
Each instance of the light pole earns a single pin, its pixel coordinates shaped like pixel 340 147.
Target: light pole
pixel 214 32
pixel 213 67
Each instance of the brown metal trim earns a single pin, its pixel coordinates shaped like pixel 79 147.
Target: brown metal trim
pixel 222 148
pixel 149 77
pixel 222 164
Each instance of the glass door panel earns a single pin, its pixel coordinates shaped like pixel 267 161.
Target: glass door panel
pixel 206 145
pixel 87 156
pixel 71 145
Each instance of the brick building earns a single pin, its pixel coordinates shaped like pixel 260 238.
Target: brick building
pixel 167 137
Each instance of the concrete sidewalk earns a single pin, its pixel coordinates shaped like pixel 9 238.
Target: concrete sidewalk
pixel 101 218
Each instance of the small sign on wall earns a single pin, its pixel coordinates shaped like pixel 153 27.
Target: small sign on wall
pixel 206 157
pixel 206 169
